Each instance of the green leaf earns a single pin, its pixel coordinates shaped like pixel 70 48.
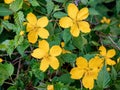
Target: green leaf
pixel 79 42
pixel 65 78
pixel 103 78
pixel 10 47
pixel 93 11
pixel 69 57
pixel 19 18
pixel 18 40
pixel 60 1
pixel 85 2
pixel 66 35
pixel 113 74
pixel 34 2
pixel 49 6
pixel 22 47
pixel 5 11
pixel 12 88
pixel 59 14
pixel 9 68
pixel 16 5
pixel 118 6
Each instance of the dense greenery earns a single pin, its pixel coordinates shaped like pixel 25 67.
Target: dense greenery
pixel 59 44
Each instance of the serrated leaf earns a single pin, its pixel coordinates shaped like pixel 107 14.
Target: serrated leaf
pixel 66 35
pixel 19 18
pixel 18 40
pixel 34 2
pixel 9 68
pixel 60 1
pixel 103 78
pixel 16 5
pixel 93 11
pixel 59 14
pixel 113 73
pixel 79 42
pixel 49 6
pixel 5 11
pixel 118 6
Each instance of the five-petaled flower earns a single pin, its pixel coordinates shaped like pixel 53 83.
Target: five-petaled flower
pixel 8 1
pixel 107 55
pixel 48 55
pixel 36 27
pixel 74 20
pixel 88 70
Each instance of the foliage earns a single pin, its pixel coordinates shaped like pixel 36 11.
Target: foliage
pixel 59 44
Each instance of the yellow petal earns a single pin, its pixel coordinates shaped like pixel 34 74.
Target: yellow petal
pixel 75 30
pixel 54 63
pixel 83 14
pixel 65 22
pixel 84 27
pixel 50 87
pixel 29 27
pixel 93 73
pixel 43 33
pixel 96 62
pixel 31 18
pixel 38 53
pixel 111 53
pixel 72 10
pixel 43 44
pixel 44 65
pixel 1 60
pixel 102 50
pixel 32 36
pixel 55 50
pixel 81 62
pixel 110 62
pixel 8 1
pixel 42 22
pixel 76 73
pixel 88 82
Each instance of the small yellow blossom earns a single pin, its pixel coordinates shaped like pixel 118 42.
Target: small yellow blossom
pixel 118 60
pixel 105 20
pixel 88 70
pixel 21 33
pixel 107 55
pixel 63 50
pixel 75 20
pixel 8 1
pixel 6 17
pixel 50 87
pixel 48 55
pixel 1 60
pixel 36 27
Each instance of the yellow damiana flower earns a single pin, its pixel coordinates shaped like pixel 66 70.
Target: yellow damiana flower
pixel 105 20
pixel 50 87
pixel 8 1
pixel 1 60
pixel 107 55
pixel 63 50
pixel 88 70
pixel 36 27
pixel 74 20
pixel 48 55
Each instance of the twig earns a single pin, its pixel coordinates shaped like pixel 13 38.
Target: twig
pixel 115 45
pixel 18 70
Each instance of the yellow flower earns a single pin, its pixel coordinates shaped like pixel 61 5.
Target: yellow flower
pixel 50 87
pixel 8 1
pixel 105 20
pixel 1 60
pixel 88 70
pixel 63 50
pixel 21 33
pixel 6 17
pixel 36 27
pixel 74 20
pixel 107 55
pixel 48 55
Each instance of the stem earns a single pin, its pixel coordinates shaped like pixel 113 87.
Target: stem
pixel 81 86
